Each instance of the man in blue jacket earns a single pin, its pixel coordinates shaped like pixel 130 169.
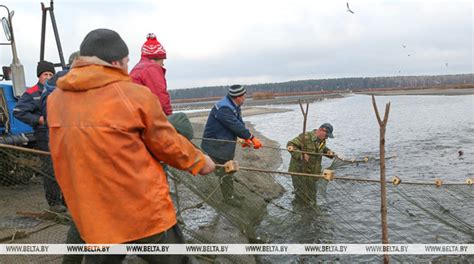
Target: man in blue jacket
pixel 52 191
pixel 223 126
pixel 28 110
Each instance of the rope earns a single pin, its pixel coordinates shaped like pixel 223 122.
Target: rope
pixel 34 151
pixel 4 110
pixel 19 234
pixel 263 170
pixel 353 160
pixel 320 176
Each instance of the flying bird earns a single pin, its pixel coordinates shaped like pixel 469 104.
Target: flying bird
pixel 446 64
pixel 349 9
pixel 404 46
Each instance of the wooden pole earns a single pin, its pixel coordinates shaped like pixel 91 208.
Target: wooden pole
pixel 383 192
pixel 303 147
pixel 34 151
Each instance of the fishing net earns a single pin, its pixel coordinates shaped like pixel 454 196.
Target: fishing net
pixel 24 213
pixel 347 208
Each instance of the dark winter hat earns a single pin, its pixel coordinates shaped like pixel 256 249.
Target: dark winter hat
pixel 44 66
pixel 328 128
pixel 237 90
pixel 152 48
pixel 105 44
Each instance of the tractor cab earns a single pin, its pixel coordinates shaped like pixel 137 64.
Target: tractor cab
pixel 12 79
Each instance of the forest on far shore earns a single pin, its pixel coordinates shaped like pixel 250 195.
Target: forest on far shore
pixel 331 85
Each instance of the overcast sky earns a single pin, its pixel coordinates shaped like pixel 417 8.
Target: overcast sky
pixel 250 41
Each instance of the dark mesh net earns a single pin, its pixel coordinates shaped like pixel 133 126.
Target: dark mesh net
pixel 346 211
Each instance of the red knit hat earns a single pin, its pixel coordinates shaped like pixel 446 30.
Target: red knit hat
pixel 152 49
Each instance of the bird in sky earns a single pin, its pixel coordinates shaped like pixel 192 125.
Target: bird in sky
pixel 446 64
pixel 404 46
pixel 349 9
pixel 409 55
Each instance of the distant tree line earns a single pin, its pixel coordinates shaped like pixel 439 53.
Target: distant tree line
pixel 329 85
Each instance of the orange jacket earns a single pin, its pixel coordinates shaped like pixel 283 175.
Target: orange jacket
pixel 107 138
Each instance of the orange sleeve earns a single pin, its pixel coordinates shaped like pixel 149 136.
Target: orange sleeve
pixel 163 141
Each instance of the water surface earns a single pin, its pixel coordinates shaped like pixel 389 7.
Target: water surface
pixel 424 132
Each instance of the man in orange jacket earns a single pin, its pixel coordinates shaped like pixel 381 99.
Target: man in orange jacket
pixel 108 138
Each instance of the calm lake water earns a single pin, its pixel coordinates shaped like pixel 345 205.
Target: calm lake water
pixel 424 132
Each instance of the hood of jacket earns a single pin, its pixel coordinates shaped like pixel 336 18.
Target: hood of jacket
pixel 146 63
pixel 91 73
pixel 50 85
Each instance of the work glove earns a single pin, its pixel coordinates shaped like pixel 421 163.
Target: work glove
pixel 245 143
pixel 256 143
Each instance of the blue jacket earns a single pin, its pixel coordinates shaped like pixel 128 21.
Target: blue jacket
pixel 28 108
pixel 224 122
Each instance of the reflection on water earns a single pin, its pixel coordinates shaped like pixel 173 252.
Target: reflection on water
pixel 425 132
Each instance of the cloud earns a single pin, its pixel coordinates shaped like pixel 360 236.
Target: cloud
pixel 221 42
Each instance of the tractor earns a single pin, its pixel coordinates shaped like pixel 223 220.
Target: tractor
pixel 17 164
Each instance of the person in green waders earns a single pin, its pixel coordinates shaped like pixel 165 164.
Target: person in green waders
pixel 314 141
